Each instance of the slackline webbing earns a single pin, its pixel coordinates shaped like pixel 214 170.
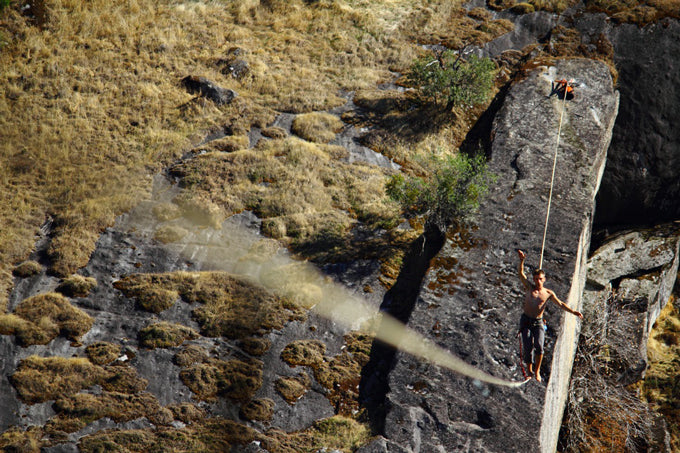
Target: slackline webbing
pixel 552 178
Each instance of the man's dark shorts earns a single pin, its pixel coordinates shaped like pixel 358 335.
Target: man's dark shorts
pixel 533 336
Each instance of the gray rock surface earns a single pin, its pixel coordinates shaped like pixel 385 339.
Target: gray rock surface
pixel 631 253
pixel 470 302
pixel 129 247
pixel 641 267
pixel 641 184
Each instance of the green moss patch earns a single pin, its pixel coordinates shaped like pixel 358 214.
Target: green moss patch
pixel 76 286
pixel 165 335
pixel 40 319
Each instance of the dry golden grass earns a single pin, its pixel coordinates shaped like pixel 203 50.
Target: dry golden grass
pixel 93 106
pixel 42 379
pixel 229 306
pixel 165 335
pixel 78 410
pixel 190 355
pixel 40 319
pixel 306 197
pixel 340 374
pixel 170 233
pixel 636 12
pixel 304 352
pixel 234 379
pixel 258 409
pixel 16 439
pixel 334 433
pixel 209 435
pixel 102 353
pixel 317 127
pixel 152 292
pixel 27 269
pixel 187 412
pixel 661 387
pixel 76 286
pixel 292 389
pixel 255 346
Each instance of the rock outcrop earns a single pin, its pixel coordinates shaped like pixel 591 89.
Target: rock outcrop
pixel 470 302
pixel 640 268
pixel 641 185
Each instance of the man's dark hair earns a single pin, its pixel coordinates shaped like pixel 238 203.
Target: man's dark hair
pixel 538 272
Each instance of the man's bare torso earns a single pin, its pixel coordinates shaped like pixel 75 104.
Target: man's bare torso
pixel 535 302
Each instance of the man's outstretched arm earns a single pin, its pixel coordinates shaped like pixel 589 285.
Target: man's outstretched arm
pixel 564 306
pixel 520 270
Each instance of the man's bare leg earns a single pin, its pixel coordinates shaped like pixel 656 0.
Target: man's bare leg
pixel 530 367
pixel 537 372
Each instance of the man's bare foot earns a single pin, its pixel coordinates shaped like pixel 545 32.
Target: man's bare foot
pixel 538 377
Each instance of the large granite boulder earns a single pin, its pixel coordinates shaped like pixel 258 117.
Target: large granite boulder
pixel 471 300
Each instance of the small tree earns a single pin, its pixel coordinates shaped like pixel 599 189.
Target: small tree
pixel 447 77
pixel 452 192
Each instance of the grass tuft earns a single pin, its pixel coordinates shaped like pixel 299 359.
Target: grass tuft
pixel 317 127
pixel 102 353
pixel 27 269
pixel 168 234
pixel 258 410
pixel 39 319
pixel 42 379
pixel 292 389
pixel 165 335
pixel 76 286
pixel 234 379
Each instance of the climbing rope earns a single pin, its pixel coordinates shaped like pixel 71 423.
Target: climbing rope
pixel 552 178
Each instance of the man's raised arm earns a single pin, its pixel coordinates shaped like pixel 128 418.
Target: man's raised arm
pixel 520 270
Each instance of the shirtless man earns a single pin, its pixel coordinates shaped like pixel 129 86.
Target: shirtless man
pixel 531 323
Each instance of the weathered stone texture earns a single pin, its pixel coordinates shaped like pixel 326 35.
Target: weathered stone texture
pixel 641 185
pixel 475 304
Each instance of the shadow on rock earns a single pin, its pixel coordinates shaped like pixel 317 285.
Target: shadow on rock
pixel 398 302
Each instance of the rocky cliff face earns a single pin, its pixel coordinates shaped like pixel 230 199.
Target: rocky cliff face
pixel 643 161
pixel 471 300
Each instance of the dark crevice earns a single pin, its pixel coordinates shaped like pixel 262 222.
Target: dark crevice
pixel 480 135
pixel 398 302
